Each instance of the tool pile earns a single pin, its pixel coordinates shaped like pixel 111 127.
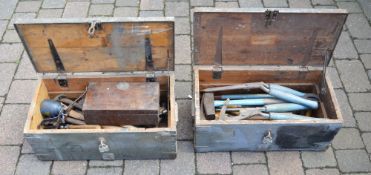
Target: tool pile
pixel 277 103
pixel 106 105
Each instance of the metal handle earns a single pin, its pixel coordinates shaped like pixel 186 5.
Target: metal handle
pixel 268 139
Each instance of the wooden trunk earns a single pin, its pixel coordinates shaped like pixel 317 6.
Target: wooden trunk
pixel 117 49
pixel 282 53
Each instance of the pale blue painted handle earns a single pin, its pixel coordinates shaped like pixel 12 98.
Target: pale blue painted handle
pixel 293 98
pixel 245 96
pixel 245 102
pixel 286 89
pixel 284 107
pixel 284 116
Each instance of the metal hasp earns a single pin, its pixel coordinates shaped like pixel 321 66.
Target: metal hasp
pixel 217 68
pixel 270 16
pixel 58 63
pixel 149 59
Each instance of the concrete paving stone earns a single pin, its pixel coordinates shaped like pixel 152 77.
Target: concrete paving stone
pixel 50 13
pixel 126 12
pixel 352 7
pixel 300 4
pixel 250 169
pixel 202 3
pixel 367 140
pixel 366 60
pixel 101 10
pixel 353 161
pixel 363 120
pixel 312 159
pixel 101 163
pixel 344 48
pixel 25 69
pixel 21 91
pixel 6 8
pixel 345 108
pixel 8 159
pixel 360 101
pixel 183 89
pixel 323 2
pixel 332 73
pixel 183 72
pixel 10 52
pixel 363 46
pixel 7 72
pixel 28 6
pixel 285 163
pixel 182 25
pixel 1 102
pixel 151 13
pixel 151 4
pixel 3 26
pixel 366 6
pixel 26 148
pixel 184 163
pixel 182 49
pixel 13 118
pixel 101 171
pixel 275 3
pixel 358 26
pixel 103 1
pixel 248 157
pixel 127 3
pixel 54 4
pixel 325 7
pixel 226 4
pixel 20 16
pixel 353 75
pixel 30 165
pixel 185 120
pixel 138 167
pixel 69 167
pixel 11 36
pixel 347 138
pixel 213 163
pixel 250 3
pixel 76 10
pixel 325 171
pixel 177 9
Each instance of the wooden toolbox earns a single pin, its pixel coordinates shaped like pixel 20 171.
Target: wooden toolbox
pixel 119 50
pixel 291 47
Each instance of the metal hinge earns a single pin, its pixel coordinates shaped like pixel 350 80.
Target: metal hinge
pixel 150 77
pixel 62 80
pixel 270 16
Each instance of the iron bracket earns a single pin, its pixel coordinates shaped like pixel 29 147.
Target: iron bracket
pixel 270 16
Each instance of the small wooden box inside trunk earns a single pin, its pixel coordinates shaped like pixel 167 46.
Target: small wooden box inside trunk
pixel 115 50
pixel 284 46
pixel 122 103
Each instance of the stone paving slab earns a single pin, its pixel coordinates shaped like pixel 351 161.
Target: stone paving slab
pixel 349 153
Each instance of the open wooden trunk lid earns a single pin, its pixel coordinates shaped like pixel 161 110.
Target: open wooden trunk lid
pixel 113 45
pixel 297 37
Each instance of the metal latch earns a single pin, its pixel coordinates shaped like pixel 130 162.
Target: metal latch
pixel 268 139
pixel 217 68
pixel 270 16
pixel 94 26
pixel 62 81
